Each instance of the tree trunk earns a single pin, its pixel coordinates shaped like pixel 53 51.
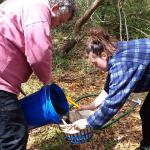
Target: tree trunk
pixel 79 23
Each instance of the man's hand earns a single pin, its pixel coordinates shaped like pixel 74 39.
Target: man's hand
pixel 81 124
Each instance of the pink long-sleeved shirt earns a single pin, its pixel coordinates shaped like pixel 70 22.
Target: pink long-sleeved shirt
pixel 25 42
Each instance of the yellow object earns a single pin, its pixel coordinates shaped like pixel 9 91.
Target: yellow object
pixel 69 99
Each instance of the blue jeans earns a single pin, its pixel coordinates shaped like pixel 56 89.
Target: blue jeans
pixel 145 117
pixel 13 128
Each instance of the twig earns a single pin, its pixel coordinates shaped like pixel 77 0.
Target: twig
pixel 129 26
pixel 139 31
pixel 125 22
pixel 120 18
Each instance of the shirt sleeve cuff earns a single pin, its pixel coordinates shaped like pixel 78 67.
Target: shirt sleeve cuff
pixel 92 124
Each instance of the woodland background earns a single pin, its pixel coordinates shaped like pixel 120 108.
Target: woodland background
pixel 124 19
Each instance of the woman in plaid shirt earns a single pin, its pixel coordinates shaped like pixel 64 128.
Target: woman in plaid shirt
pixel 128 67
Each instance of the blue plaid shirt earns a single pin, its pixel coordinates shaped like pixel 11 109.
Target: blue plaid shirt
pixel 128 71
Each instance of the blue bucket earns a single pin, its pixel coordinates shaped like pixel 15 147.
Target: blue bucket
pixel 45 106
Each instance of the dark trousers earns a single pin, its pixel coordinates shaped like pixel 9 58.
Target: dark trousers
pixel 13 129
pixel 145 117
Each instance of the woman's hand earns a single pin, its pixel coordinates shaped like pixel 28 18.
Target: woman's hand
pixel 86 107
pixel 96 103
pixel 80 124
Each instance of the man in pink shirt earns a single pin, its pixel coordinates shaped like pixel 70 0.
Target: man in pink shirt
pixel 25 47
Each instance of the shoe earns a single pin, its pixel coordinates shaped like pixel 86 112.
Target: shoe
pixel 143 148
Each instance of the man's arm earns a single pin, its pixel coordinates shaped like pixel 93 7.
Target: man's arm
pixel 38 49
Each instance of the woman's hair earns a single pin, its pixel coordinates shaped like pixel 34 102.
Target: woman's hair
pixel 65 6
pixel 100 41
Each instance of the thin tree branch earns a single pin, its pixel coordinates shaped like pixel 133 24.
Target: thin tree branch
pixel 120 19
pixel 126 26
pixel 85 17
pixel 140 31
pixel 79 23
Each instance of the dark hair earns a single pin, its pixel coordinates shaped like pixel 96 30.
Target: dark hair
pixel 100 41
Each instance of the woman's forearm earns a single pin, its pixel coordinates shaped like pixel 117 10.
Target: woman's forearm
pixel 96 103
pixel 99 99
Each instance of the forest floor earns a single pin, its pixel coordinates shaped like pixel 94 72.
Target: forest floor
pixel 77 78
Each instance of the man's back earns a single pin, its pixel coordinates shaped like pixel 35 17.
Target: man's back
pixel 18 26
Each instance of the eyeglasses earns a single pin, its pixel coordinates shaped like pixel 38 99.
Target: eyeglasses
pixel 64 7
